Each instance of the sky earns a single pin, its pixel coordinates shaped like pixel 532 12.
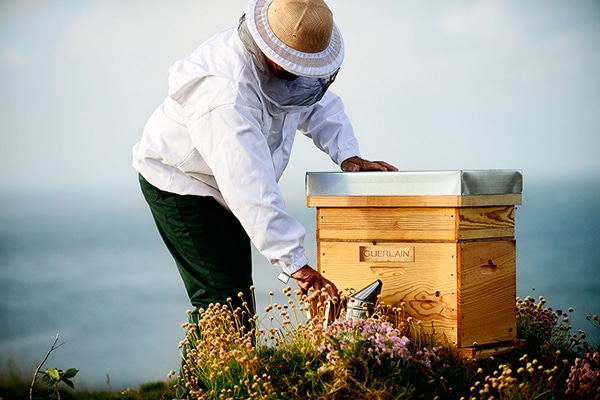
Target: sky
pixel 428 85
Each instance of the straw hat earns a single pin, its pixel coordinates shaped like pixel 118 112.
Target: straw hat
pixel 298 35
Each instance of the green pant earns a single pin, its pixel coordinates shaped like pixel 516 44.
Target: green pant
pixel 211 249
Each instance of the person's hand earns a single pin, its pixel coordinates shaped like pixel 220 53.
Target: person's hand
pixel 308 278
pixel 355 164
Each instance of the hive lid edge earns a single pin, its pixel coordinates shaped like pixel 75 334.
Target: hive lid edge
pixel 414 183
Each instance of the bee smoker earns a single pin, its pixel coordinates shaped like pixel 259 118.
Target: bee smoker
pixel 362 303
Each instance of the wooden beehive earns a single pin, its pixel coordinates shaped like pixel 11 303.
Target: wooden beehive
pixel 441 242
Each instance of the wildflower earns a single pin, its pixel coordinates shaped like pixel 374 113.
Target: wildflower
pixel 372 339
pixel 583 380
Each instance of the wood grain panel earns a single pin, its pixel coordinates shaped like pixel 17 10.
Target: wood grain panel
pixel 386 223
pixel 487 292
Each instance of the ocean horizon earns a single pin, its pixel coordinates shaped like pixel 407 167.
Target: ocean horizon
pixel 91 268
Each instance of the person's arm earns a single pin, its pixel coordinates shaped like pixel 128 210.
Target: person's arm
pixel 226 134
pixel 331 131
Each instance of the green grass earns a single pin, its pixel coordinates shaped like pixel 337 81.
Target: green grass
pixel 17 388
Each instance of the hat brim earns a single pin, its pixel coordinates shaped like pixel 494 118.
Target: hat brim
pixel 313 65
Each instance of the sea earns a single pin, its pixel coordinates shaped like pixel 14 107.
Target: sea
pixel 90 268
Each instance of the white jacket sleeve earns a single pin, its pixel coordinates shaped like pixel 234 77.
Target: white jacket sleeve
pixel 330 129
pixel 229 139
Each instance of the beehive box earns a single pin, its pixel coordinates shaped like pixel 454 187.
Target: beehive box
pixel 442 243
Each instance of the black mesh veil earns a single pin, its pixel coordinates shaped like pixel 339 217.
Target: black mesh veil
pixel 300 92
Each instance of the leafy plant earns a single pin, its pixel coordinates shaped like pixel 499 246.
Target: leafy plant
pixel 53 377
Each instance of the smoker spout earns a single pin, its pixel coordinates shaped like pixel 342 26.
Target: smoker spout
pixel 362 303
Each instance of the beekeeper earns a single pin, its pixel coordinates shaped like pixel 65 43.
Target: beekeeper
pixel 212 153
